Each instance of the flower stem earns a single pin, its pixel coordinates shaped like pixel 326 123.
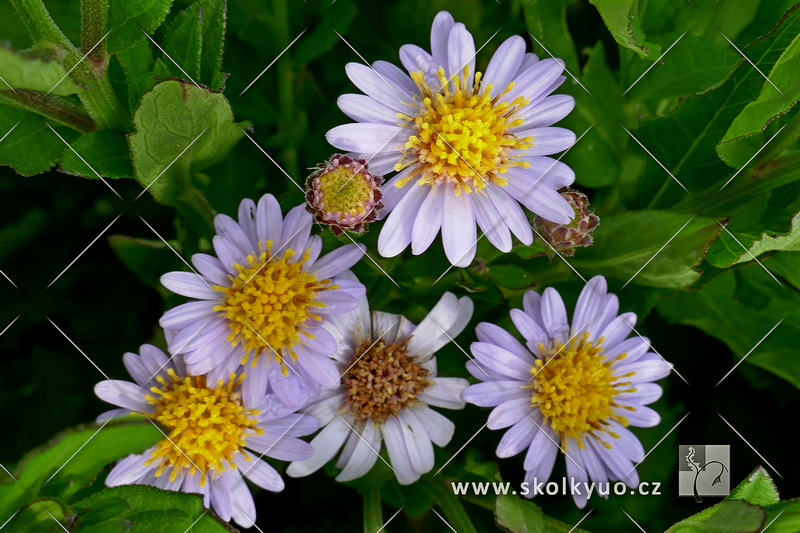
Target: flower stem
pixel 55 108
pixel 94 19
pixel 373 514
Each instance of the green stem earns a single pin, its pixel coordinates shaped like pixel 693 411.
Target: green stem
pixel 94 19
pixel 373 514
pixel 102 103
pixel 55 108
pixel 286 88
pixel 786 138
pixel 41 26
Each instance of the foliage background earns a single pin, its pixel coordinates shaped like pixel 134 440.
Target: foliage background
pixel 109 300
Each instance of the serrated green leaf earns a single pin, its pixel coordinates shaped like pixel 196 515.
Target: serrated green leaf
pixel 787 266
pixel 516 515
pixel 509 276
pixel 775 99
pixel 626 242
pixel 214 13
pixel 106 151
pixel 131 20
pixel 38 472
pixel 730 516
pixel 183 43
pixel 137 62
pixel 35 73
pixel 546 20
pixel 105 510
pixel 31 148
pixel 758 489
pixel 621 17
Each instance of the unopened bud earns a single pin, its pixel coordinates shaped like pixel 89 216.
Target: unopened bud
pixel 343 195
pixel 564 238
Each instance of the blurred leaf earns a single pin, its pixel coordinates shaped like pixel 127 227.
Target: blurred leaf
pixel 129 21
pixel 153 510
pixel 451 507
pixel 20 71
pixel 509 276
pixel 42 516
pixel 148 259
pixel 322 39
pixel 786 265
pixel 730 516
pixel 621 17
pixel 715 311
pixel 55 469
pixel 693 66
pixel 758 489
pixel 31 148
pixel 106 151
pixel 547 21
pixel 517 515
pixel 770 104
pixel 625 242
pixel 105 510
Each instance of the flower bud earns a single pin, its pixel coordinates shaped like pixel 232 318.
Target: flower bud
pixel 564 238
pixel 343 195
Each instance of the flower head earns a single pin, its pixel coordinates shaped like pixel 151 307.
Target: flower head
pixel 343 195
pixel 469 148
pixel 213 435
pixel 564 238
pixel 389 381
pixel 574 387
pixel 262 302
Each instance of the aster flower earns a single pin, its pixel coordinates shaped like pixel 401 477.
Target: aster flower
pixel 264 298
pixel 389 383
pixel 564 238
pixel 343 195
pixel 213 435
pixel 468 148
pixel 575 387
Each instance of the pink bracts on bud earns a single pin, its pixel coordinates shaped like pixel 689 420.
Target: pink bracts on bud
pixel 564 238
pixel 343 195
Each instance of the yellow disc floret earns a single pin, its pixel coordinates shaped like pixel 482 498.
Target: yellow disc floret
pixel 574 389
pixel 205 427
pixel 270 302
pixel 462 135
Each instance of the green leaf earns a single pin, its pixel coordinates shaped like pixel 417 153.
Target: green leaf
pixel 154 510
pixel 771 103
pixel 31 148
pixel 451 507
pixel 621 17
pixel 214 13
pixel 509 276
pixel 56 469
pixel 148 259
pixel 694 65
pixel 758 489
pixel 517 515
pixel 787 266
pixel 322 38
pixel 183 42
pixel 716 310
pixel 770 242
pixel 57 109
pixel 34 73
pixel 625 242
pixel 730 516
pixel 106 151
pixel 547 21
pixel 42 516
pixel 138 64
pixel 131 20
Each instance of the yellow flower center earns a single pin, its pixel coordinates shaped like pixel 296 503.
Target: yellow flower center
pixel 269 303
pixel 461 136
pixel 575 390
pixel 381 380
pixel 345 191
pixel 205 427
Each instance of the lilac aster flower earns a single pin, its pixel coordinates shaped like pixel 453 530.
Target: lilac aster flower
pixel 214 434
pixel 571 387
pixel 469 148
pixel 389 381
pixel 262 301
